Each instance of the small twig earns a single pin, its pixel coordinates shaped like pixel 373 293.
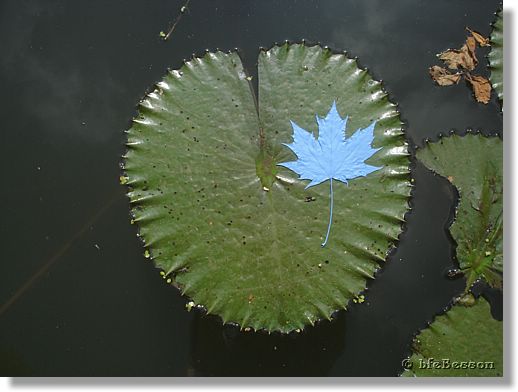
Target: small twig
pixel 177 20
pixel 57 256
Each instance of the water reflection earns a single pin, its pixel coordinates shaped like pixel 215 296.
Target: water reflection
pixel 223 350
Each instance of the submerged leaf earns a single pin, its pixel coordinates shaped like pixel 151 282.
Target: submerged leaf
pixel 473 164
pixel 480 86
pixel 464 342
pixel 231 228
pixel 443 77
pixel 332 155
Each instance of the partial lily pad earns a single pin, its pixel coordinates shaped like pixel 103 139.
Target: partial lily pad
pixel 234 231
pixel 464 342
pixel 496 56
pixel 473 164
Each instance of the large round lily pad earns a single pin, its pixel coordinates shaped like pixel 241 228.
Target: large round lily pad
pixel 473 164
pixel 239 234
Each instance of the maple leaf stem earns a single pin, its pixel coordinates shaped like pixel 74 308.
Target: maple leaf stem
pixel 330 212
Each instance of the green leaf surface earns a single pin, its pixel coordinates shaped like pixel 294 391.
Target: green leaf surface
pixel 463 342
pixel 234 231
pixel 473 164
pixel 496 56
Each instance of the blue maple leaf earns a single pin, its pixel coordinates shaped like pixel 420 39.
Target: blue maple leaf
pixel 333 156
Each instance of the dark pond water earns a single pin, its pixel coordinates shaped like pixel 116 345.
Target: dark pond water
pixel 77 296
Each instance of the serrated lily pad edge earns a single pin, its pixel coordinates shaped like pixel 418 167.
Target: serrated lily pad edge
pixel 148 252
pixel 497 86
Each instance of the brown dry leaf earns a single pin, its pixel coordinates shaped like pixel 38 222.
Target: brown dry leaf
pixel 452 58
pixel 464 57
pixel 481 40
pixel 472 45
pixel 481 87
pixel 443 77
